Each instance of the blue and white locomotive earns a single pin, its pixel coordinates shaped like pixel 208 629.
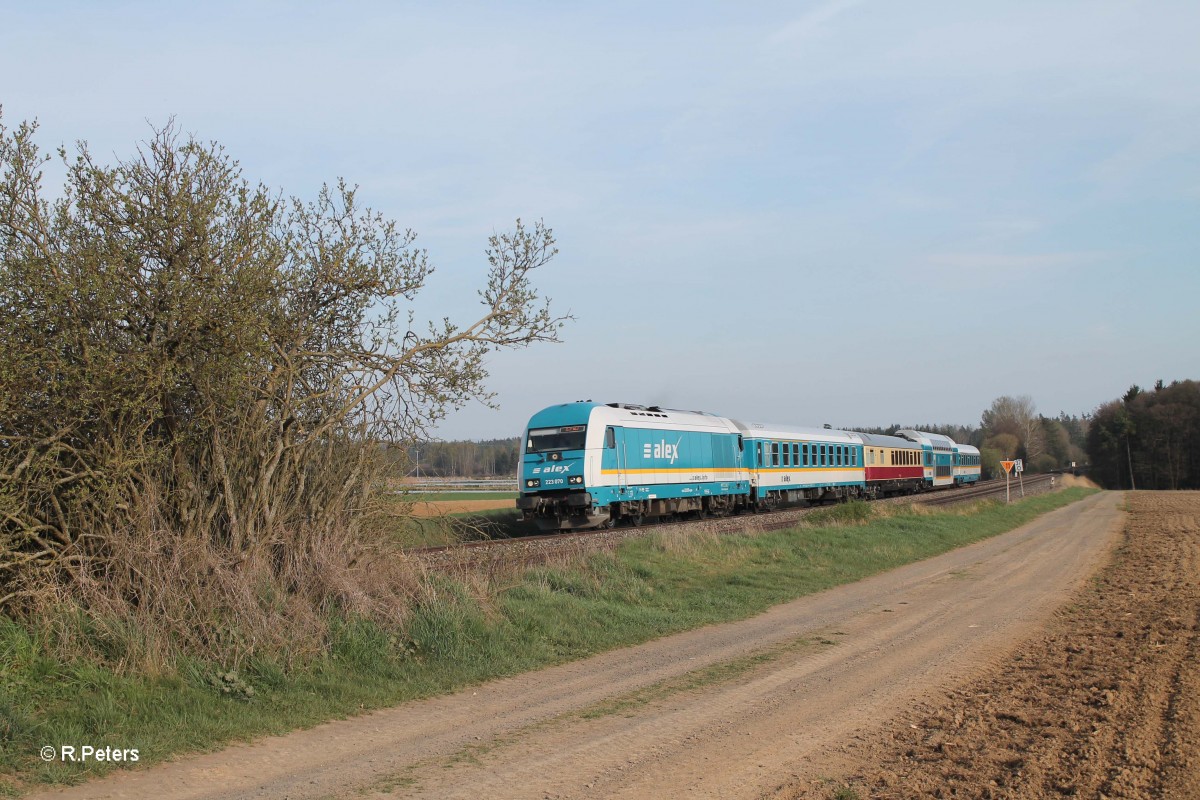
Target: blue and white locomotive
pixel 589 465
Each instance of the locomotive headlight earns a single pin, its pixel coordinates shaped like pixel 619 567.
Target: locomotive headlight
pixel 575 479
pixel 533 483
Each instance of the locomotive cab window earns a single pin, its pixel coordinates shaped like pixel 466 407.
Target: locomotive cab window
pixel 545 440
pixel 610 438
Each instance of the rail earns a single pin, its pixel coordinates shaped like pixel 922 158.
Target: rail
pixel 495 554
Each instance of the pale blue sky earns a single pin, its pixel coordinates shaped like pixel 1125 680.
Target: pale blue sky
pixel 746 196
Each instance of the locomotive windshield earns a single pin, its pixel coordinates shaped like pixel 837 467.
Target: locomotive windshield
pixel 543 440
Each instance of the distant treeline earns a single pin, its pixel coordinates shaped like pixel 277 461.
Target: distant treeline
pixel 1010 428
pixel 494 458
pixel 1148 439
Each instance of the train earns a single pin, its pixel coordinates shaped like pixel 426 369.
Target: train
pixel 588 465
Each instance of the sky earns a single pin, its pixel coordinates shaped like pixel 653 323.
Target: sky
pixel 847 212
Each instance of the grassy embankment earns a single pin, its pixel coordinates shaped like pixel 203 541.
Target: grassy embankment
pixel 442 529
pixel 458 635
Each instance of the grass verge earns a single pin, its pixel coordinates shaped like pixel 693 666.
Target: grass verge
pixel 458 634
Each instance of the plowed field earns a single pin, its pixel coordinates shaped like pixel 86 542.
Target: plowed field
pixel 1104 703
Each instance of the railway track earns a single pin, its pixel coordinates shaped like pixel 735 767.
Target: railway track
pixel 495 554
pixel 987 490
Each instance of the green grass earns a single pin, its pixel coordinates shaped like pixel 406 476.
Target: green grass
pixel 645 589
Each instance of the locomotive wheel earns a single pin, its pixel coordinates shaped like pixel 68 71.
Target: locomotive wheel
pixel 635 520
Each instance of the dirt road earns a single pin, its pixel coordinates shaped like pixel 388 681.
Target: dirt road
pixel 736 710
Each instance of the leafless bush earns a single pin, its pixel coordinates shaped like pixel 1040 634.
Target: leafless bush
pixel 196 377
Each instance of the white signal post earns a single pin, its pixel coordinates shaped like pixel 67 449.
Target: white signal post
pixel 1019 468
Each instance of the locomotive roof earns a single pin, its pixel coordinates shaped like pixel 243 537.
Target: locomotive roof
pixel 584 413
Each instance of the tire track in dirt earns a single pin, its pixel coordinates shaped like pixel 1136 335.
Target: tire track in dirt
pixel 729 710
pixel 1105 703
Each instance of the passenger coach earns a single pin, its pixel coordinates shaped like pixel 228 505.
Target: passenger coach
pixel 790 464
pixel 967 465
pixel 894 465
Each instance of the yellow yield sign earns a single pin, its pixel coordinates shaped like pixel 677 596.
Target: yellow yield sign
pixel 1008 465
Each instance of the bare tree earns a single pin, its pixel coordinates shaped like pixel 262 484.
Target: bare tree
pixel 1018 417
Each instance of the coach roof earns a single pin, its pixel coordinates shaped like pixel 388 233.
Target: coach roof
pixel 881 440
pixel 762 430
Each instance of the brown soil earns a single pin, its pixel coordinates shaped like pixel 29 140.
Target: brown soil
pixel 810 690
pixel 1104 703
pixel 438 508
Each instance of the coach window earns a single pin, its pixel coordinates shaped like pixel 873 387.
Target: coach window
pixel 774 454
pixel 758 452
pixel 795 455
pixel 787 454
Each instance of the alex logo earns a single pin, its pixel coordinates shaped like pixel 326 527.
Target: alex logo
pixel 661 450
pixel 552 468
